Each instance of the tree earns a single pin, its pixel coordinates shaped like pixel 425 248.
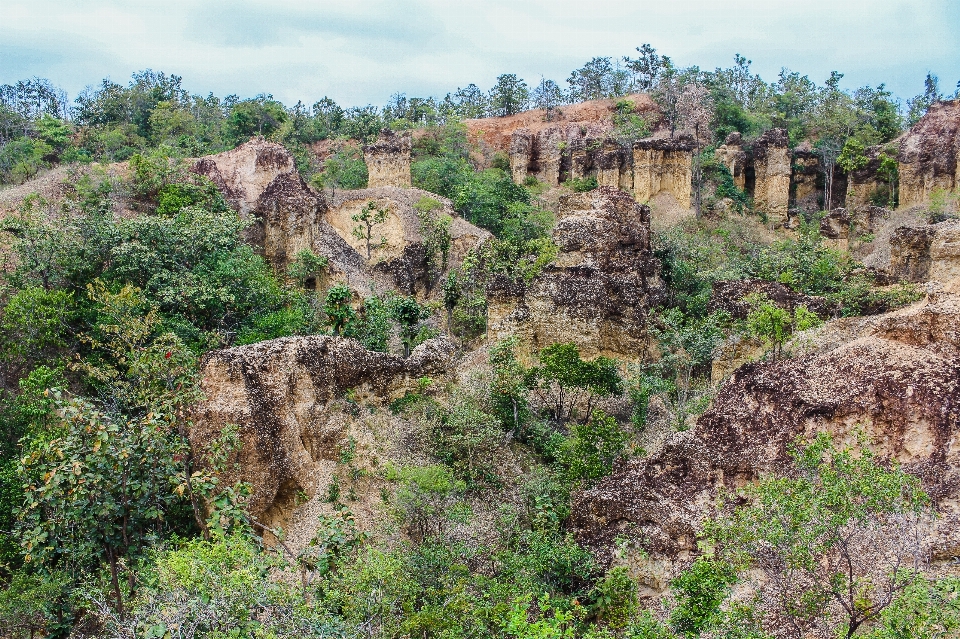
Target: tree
pixel 562 371
pixel 408 314
pixel 774 324
pixel 592 81
pixel 647 67
pixel 101 492
pixel 339 313
pixel 369 216
pixel 919 105
pixel 547 95
pixel 258 116
pixel 593 448
pixel 435 232
pixel 509 95
pixel 835 120
pixel 695 112
pixel 834 543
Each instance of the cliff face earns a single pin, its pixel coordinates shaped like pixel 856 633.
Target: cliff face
pixel 864 182
pixel 388 160
pixel 773 170
pixel 398 252
pixel 732 156
pixel 927 253
pixel 897 378
pixel 281 394
pixel 663 166
pixel 260 180
pixel 598 289
pixel 929 156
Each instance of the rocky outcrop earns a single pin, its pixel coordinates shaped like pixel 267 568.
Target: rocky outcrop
pixel 929 157
pixel 260 181
pixel 663 166
pixel 732 156
pixel 388 160
pixel 927 253
pixel 398 253
pixel 864 184
pixel 598 289
pixel 772 167
pixel 729 296
pixel 897 379
pixel 280 393
pixel 807 191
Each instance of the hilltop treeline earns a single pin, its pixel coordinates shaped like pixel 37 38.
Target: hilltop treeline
pixel 40 126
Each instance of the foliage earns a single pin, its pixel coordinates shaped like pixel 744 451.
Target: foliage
pixel 435 231
pixel 837 542
pixel 369 216
pixel 581 185
pixel 340 314
pixel 344 169
pixel 593 448
pixel 774 324
pixel 562 372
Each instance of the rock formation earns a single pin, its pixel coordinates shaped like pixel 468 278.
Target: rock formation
pixel 280 394
pixel 663 166
pixel 730 296
pixel 388 160
pixel 926 253
pixel 807 191
pixel 260 180
pixel 864 184
pixel 399 253
pixel 929 157
pixel 772 166
pixel 897 379
pixel 732 156
pixel 597 290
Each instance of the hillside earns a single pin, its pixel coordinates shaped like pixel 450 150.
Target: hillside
pixel 639 366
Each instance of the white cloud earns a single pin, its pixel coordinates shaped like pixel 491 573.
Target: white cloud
pixel 359 52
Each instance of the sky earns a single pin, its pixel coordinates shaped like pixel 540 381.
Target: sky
pixel 362 51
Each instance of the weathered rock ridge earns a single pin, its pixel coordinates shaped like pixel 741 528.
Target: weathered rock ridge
pixel 260 180
pixel 597 290
pixel 279 394
pixel 896 378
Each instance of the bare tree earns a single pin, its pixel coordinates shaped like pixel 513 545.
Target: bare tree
pixel 695 110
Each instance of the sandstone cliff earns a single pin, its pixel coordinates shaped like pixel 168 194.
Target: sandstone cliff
pixel 597 290
pixel 897 380
pixel 927 253
pixel 399 253
pixel 929 157
pixel 283 394
pixel 260 180
pixel 772 166
pixel 388 160
pixel 732 156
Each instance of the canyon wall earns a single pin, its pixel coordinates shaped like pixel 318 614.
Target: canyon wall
pixel 772 165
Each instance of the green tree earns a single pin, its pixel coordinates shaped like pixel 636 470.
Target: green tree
pixel 261 115
pixel 774 324
pixel 562 372
pixel 369 216
pixel 339 312
pixel 593 447
pixel 838 542
pixel 408 314
pixel 509 95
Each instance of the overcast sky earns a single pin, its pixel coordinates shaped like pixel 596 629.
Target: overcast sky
pixel 360 52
